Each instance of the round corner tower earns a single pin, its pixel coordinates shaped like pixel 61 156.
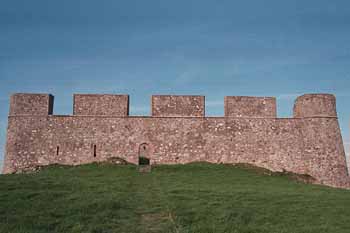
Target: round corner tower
pixel 322 140
pixel 315 105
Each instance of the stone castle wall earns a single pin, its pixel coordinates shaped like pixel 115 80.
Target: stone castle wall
pixel 310 144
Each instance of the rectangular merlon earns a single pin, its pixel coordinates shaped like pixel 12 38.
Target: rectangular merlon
pixel 246 106
pixel 178 106
pixel 31 104
pixel 101 105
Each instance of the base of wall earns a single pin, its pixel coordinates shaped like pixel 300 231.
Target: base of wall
pixel 144 168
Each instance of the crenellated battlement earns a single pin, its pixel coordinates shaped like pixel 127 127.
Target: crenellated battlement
pixel 309 105
pixel 178 132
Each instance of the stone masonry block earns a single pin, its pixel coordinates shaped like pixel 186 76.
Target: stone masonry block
pixel 101 105
pixel 178 106
pixel 246 106
pixel 31 104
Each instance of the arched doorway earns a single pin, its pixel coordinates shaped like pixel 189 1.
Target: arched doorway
pixel 144 154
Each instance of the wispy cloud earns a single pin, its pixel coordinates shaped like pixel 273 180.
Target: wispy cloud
pixel 342 94
pixel 214 103
pixel 140 109
pixel 288 96
pixel 3 102
pixel 347 153
pixel 347 149
pixel 186 77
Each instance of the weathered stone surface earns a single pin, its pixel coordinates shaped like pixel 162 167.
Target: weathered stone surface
pixel 101 105
pixel 300 145
pixel 247 106
pixel 31 104
pixel 178 106
pixel 315 105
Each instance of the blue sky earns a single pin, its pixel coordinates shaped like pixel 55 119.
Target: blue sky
pixel 213 48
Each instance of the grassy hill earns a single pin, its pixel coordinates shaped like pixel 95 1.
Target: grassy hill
pixel 179 198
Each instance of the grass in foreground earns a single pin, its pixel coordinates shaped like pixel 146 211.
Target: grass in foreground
pixel 178 198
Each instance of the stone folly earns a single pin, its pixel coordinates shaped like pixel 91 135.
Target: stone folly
pixel 178 132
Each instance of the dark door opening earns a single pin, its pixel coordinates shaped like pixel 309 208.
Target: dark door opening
pixel 144 154
pixel 143 161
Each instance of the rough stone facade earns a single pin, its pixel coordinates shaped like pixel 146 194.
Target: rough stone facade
pixel 31 104
pixel 178 132
pixel 101 105
pixel 178 106
pixel 315 105
pixel 246 106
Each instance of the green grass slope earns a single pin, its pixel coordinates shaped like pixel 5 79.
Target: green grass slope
pixel 179 198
